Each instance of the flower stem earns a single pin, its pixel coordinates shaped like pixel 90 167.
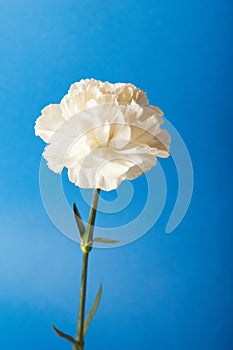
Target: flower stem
pixel 86 247
pixel 80 328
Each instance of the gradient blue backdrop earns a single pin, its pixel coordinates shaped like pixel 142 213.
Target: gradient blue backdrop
pixel 163 291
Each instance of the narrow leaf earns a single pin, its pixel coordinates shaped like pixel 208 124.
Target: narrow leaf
pixel 80 224
pixel 105 240
pixel 93 309
pixel 64 335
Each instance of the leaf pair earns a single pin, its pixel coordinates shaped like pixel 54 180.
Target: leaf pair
pixel 82 229
pixel 86 324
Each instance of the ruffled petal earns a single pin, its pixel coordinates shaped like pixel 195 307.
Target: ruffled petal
pixel 106 168
pixel 71 105
pixel 50 119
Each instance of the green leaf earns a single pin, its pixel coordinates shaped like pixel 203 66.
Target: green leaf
pixel 105 240
pixel 64 335
pixel 80 224
pixel 93 309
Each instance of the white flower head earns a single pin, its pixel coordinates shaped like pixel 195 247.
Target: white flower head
pixel 102 133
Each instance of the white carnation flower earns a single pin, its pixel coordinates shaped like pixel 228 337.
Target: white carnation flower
pixel 102 133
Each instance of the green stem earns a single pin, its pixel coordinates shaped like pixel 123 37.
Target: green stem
pixel 86 244
pixel 82 301
pixel 86 247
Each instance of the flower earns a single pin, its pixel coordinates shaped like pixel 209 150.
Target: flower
pixel 102 133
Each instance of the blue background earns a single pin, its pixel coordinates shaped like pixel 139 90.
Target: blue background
pixel 162 291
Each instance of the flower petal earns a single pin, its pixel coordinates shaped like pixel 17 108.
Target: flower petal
pixel 48 122
pixel 106 168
